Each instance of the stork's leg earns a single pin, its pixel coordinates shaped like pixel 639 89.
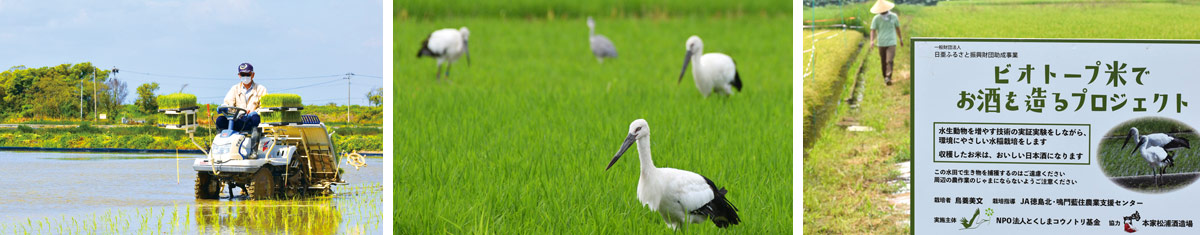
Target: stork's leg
pixel 1156 184
pixel 439 72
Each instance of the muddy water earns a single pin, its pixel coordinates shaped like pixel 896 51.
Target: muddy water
pixel 43 186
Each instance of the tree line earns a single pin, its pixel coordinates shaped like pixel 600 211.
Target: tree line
pixel 66 92
pixel 63 91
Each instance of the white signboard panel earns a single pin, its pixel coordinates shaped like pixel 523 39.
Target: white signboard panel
pixel 1037 136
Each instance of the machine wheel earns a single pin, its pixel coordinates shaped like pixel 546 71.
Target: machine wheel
pixel 206 187
pixel 262 186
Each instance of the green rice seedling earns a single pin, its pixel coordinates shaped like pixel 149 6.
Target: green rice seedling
pixel 280 100
pixel 280 116
pixel 176 101
pixel 580 108
pixel 176 119
pixel 341 214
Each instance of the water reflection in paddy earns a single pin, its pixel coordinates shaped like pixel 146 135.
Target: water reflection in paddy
pixel 153 192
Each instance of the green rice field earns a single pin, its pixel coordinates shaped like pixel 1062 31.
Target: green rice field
pixel 353 210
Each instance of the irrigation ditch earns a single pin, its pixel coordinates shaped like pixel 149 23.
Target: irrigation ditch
pixel 854 72
pixel 828 107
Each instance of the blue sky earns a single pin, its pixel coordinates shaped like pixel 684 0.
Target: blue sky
pixel 200 43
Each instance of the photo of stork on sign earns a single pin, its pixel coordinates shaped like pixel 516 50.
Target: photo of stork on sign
pixel 1150 155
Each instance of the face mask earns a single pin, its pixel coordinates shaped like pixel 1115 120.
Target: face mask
pixel 246 80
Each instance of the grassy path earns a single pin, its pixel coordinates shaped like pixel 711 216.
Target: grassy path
pixel 846 172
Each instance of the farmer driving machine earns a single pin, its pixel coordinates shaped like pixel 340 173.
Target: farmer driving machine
pixel 287 155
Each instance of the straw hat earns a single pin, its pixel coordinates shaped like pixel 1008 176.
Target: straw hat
pixel 882 6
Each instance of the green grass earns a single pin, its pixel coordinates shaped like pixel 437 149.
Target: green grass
pixel 852 14
pixel 825 69
pixel 281 100
pixel 517 142
pixel 1027 2
pixel 846 181
pixel 1067 20
pixel 575 9
pixel 176 101
pixel 149 137
pixel 846 173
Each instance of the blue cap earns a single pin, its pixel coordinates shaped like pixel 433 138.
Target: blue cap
pixel 245 68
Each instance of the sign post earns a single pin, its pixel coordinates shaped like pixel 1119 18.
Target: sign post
pixel 1055 136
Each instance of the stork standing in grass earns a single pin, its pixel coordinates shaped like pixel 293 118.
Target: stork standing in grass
pixel 446 45
pixel 679 196
pixel 712 71
pixel 1166 142
pixel 1155 156
pixel 601 46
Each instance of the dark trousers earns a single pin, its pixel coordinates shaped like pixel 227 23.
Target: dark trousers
pixel 886 54
pixel 246 123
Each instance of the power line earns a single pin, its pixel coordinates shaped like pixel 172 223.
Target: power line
pixel 229 78
pixel 176 76
pixel 311 85
pixel 278 90
pixel 297 78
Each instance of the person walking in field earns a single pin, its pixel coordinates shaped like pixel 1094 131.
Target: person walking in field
pixel 885 34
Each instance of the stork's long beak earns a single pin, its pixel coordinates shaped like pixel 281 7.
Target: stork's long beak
pixel 1131 135
pixel 686 60
pixel 467 48
pixel 624 146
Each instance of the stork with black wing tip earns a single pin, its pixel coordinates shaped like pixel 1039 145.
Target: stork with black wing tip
pixel 679 196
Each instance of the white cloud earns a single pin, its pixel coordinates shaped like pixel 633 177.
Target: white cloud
pixel 224 11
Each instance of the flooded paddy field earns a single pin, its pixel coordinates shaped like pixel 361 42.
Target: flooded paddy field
pixel 46 192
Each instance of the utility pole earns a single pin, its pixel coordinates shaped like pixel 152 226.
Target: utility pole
pixel 348 75
pixel 95 110
pixel 114 72
pixel 80 97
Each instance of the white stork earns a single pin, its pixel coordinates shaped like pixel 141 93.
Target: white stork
pixel 1164 141
pixel 1155 156
pixel 601 46
pixel 446 45
pixel 712 71
pixel 679 196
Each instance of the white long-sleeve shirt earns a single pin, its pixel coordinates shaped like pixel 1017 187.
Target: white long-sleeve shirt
pixel 245 98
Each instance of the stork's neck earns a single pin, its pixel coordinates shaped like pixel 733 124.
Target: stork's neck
pixel 644 155
pixel 696 58
pixel 591 31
